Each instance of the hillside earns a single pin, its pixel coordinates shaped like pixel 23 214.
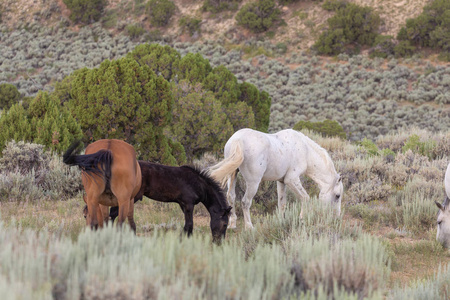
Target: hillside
pixel 304 20
pixel 366 96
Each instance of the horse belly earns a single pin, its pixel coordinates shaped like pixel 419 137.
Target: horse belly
pixel 275 170
pixel 108 199
pixel 273 176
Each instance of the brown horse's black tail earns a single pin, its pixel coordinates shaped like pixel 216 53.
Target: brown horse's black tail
pixel 98 163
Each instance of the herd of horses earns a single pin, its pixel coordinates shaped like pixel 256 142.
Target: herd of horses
pixel 113 177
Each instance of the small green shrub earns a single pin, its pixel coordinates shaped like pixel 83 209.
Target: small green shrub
pixel 384 46
pixel 417 146
pixel 154 35
pixel 109 20
pixel 258 16
pixel 404 49
pixel 334 5
pixel 190 24
pixel 327 128
pixel 281 48
pixel 370 147
pixel 9 95
pixel 216 6
pixel 431 28
pixel 352 24
pixel 388 153
pixel 331 42
pixel 161 11
pixel 86 11
pixel 134 30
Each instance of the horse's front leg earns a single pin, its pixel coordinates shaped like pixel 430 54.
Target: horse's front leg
pixel 231 196
pixel 281 191
pixel 188 219
pixel 296 186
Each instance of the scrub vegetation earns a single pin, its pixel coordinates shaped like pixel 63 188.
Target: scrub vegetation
pixel 176 79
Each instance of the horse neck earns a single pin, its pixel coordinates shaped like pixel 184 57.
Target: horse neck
pixel 212 200
pixel 320 167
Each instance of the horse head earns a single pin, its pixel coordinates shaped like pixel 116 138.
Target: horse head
pixel 333 195
pixel 443 223
pixel 219 223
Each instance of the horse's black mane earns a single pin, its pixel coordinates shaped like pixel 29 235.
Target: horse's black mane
pixel 210 182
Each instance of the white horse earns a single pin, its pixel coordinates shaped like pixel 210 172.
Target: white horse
pixel 443 219
pixel 281 157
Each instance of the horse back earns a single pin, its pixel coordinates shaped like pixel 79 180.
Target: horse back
pixel 170 184
pixel 266 156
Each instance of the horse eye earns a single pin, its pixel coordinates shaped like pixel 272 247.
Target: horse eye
pixel 439 223
pixel 338 196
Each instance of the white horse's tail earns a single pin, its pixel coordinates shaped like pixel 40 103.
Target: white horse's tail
pixel 227 167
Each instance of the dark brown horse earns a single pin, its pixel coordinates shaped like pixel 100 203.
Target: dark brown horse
pixel 186 186
pixel 111 176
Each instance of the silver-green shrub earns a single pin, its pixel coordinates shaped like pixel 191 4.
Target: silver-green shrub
pixel 115 263
pixel 28 172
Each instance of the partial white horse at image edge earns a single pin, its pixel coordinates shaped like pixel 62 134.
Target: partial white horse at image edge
pixel 443 219
pixel 281 157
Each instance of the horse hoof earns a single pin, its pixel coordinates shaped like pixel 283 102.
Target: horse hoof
pixel 249 227
pixel 232 226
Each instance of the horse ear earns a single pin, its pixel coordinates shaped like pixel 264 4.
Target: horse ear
pixel 439 205
pixel 227 210
pixel 85 211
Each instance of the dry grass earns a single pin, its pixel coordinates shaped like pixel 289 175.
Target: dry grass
pixel 415 259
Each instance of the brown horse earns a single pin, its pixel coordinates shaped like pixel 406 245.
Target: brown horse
pixel 111 176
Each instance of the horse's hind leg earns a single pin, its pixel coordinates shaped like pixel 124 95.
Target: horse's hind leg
pixel 123 198
pixel 231 196
pixel 131 216
pixel 94 213
pixel 102 215
pixel 281 191
pixel 250 192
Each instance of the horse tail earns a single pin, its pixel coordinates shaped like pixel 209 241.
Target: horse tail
pixel 227 167
pixel 98 163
